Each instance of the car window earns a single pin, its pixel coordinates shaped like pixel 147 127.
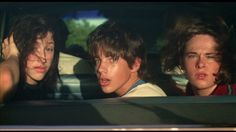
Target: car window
pixel 151 20
pixel 79 95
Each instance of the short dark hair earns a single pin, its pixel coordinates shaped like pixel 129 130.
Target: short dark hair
pixel 117 39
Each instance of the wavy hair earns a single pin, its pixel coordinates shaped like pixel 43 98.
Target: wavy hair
pixel 25 30
pixel 189 25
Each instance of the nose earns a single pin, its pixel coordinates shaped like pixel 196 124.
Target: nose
pixel 101 68
pixel 201 62
pixel 43 59
pixel 42 56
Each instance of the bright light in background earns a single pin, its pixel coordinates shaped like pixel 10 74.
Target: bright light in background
pixel 92 21
pixel 92 16
pixel 80 24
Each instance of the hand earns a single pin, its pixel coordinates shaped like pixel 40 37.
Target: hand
pixel 9 48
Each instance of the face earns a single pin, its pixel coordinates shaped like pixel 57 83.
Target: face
pixel 201 62
pixel 114 75
pixel 39 60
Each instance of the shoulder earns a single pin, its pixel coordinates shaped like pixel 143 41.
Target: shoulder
pixel 149 86
pixel 233 86
pixel 225 90
pixel 147 89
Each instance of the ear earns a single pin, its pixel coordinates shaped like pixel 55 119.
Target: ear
pixel 136 65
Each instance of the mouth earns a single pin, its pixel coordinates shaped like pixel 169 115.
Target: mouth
pixel 104 82
pixel 40 69
pixel 201 76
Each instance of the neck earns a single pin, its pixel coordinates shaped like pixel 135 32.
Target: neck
pixel 204 92
pixel 127 86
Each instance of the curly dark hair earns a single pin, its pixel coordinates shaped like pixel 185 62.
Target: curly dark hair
pixel 187 26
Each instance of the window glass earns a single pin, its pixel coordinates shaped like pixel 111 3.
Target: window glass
pixel 80 24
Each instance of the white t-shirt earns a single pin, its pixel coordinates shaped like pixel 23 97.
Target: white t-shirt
pixel 145 90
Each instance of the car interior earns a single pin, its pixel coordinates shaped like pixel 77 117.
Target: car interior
pixel 81 105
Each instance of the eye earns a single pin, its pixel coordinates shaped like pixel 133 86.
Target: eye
pixel 111 60
pixel 35 51
pixel 191 56
pixel 211 56
pixel 97 61
pixel 49 49
pixel 214 56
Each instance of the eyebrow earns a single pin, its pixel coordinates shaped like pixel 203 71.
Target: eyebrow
pixel 192 52
pixel 217 53
pixel 51 43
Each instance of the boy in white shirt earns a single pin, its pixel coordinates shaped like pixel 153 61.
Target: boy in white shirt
pixel 120 60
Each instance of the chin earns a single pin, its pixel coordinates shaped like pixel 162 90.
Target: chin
pixel 39 78
pixel 202 86
pixel 106 90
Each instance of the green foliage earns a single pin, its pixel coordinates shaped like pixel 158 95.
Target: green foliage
pixel 157 46
pixel 78 32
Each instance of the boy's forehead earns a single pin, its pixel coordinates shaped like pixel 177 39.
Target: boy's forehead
pixel 99 52
pixel 102 52
pixel 106 52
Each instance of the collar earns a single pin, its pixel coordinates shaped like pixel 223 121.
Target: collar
pixel 134 86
